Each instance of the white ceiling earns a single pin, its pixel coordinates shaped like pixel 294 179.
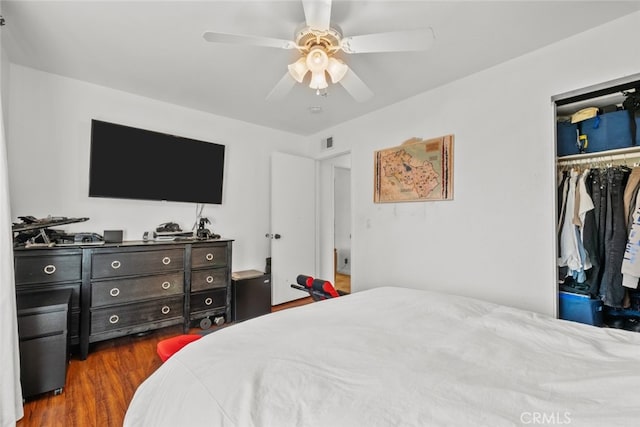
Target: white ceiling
pixel 156 49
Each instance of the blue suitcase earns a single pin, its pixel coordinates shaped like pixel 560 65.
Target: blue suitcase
pixel 609 131
pixel 566 135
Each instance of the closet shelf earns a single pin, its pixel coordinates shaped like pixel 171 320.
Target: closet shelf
pixel 619 154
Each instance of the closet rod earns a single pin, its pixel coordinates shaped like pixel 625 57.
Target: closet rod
pixel 620 154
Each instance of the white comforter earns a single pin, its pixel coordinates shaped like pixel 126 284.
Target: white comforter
pixel 398 357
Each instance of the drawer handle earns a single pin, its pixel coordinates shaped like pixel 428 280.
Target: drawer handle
pixel 209 257
pixel 115 264
pixel 166 260
pixel 114 292
pixel 209 279
pixel 114 319
pixel 166 285
pixel 50 269
pixel 165 309
pixel 208 301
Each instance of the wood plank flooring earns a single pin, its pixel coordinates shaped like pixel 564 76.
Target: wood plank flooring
pixel 343 282
pixel 98 390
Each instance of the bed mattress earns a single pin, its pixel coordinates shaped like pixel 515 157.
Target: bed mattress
pixel 397 357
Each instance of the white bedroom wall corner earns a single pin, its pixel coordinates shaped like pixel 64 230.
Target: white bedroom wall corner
pixel 504 162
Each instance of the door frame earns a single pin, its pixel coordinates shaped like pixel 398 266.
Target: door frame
pixel 325 237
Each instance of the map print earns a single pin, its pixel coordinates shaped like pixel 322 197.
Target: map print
pixel 416 170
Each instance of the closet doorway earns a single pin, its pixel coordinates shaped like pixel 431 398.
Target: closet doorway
pixel 598 178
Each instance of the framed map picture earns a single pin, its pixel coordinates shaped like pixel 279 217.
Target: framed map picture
pixel 417 170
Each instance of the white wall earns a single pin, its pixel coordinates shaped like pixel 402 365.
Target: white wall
pixel 48 148
pixel 495 240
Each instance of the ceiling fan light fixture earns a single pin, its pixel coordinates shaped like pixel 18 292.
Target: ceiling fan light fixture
pixel 336 69
pixel 298 69
pixel 318 80
pixel 317 59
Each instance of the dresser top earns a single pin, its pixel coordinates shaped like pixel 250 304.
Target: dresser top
pixel 126 243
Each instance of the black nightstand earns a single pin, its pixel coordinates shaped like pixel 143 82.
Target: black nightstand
pixel 43 325
pixel 251 294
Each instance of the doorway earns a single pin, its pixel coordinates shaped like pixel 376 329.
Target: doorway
pixel 342 228
pixel 334 208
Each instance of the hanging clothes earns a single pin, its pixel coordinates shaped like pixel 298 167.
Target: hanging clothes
pixel 615 238
pixel 631 261
pixel 591 225
pixel 575 203
pixel 569 253
pixel 592 229
pixel 630 193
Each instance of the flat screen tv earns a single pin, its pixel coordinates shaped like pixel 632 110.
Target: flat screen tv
pixel 131 163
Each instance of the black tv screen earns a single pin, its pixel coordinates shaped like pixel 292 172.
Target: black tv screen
pixel 131 163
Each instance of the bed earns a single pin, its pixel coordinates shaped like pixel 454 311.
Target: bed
pixel 397 357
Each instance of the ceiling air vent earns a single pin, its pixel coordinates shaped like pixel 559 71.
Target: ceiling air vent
pixel 327 143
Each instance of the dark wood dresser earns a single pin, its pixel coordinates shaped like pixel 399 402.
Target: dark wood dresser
pixel 132 287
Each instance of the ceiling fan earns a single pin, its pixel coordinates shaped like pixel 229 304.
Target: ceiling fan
pixel 318 40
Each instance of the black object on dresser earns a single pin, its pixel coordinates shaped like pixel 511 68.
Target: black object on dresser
pixel 251 294
pixel 43 324
pixel 131 287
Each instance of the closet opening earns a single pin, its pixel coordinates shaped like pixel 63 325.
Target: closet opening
pixel 598 205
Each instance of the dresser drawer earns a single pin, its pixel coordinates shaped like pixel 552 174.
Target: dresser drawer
pixel 208 300
pixel 208 279
pixel 124 316
pixel 116 264
pixel 209 256
pixel 43 324
pixel 48 268
pixel 127 290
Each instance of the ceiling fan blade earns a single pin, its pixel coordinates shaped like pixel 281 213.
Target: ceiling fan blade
pixel 282 88
pixel 399 41
pixel 317 13
pixel 248 40
pixel 356 87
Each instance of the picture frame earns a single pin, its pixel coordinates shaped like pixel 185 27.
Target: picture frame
pixel 417 170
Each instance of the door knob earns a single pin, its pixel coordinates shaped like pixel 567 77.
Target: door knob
pixel 276 236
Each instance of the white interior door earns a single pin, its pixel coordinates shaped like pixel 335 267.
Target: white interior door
pixel 293 224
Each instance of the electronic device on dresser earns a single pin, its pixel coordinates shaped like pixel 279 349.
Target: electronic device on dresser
pixel 204 233
pixel 169 231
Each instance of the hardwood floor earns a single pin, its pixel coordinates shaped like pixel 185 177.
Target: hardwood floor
pixel 343 282
pixel 98 390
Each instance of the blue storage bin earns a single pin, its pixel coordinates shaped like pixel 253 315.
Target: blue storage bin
pixel 609 131
pixel 580 308
pixel 566 135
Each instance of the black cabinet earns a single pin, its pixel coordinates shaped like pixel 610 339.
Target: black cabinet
pixel 251 294
pixel 43 326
